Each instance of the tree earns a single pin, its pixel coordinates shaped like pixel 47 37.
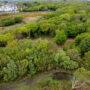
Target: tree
pixel 85 45
pixel 48 28
pixel 5 38
pixel 74 54
pixel 72 30
pixel 80 37
pixel 10 71
pixel 60 37
pixel 32 68
pixel 87 60
pixel 22 67
pixel 33 29
pixel 64 61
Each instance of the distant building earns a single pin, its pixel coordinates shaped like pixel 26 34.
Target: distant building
pixel 8 7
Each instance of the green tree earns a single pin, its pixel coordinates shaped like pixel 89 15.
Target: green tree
pixel 86 60
pixel 80 37
pixel 10 71
pixel 64 61
pixel 85 45
pixel 22 67
pixel 72 30
pixel 47 28
pixel 74 54
pixel 60 37
pixel 32 68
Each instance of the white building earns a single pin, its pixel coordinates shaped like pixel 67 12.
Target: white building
pixel 8 7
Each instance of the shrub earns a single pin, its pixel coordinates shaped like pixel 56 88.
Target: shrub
pixel 33 29
pixel 10 71
pixel 67 64
pixel 22 67
pixel 65 17
pixel 35 8
pixel 48 29
pixel 73 54
pixel 30 30
pixel 50 15
pixel 81 27
pixel 75 28
pixel 7 21
pixel 18 19
pixel 63 26
pixel 87 24
pixel 64 61
pixel 80 37
pixel 5 38
pixel 60 37
pixel 85 45
pixel 87 60
pixel 10 21
pixel 69 45
pixel 22 30
pixel 72 30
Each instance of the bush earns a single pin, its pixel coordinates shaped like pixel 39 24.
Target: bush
pixel 80 37
pixel 32 29
pixel 73 54
pixel 10 71
pixel 69 45
pixel 60 37
pixel 86 60
pixel 22 67
pixel 5 38
pixel 64 61
pixel 35 8
pixel 40 7
pixel 75 28
pixel 87 24
pixel 20 57
pixel 85 45
pixel 18 19
pixel 47 29
pixel 10 21
pixel 72 30
pixel 29 30
pixel 63 26
pixel 66 17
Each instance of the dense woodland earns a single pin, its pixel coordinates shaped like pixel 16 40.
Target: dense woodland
pixel 22 53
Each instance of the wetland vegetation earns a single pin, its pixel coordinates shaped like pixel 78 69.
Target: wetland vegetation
pixel 52 50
